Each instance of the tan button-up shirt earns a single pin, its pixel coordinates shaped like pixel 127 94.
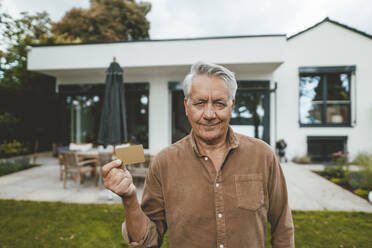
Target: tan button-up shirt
pixel 205 208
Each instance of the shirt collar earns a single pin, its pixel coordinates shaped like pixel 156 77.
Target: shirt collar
pixel 232 139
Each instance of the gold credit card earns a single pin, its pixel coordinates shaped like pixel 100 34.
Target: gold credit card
pixel 131 154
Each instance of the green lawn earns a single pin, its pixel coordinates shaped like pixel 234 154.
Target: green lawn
pixel 44 224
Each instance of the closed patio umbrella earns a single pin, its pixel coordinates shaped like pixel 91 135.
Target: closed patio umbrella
pixel 113 125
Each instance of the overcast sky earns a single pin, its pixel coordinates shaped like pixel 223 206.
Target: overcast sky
pixel 200 18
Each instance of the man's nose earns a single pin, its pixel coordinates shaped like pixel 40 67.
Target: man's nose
pixel 209 112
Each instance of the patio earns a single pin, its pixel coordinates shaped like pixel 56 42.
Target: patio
pixel 307 191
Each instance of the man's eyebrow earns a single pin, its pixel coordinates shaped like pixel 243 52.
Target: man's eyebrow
pixel 199 98
pixel 220 99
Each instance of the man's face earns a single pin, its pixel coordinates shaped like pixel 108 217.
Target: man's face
pixel 209 108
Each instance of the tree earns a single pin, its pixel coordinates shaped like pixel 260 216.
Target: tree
pixel 16 36
pixel 25 96
pixel 106 20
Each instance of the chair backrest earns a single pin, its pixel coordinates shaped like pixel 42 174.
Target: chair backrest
pixel 148 160
pixel 80 146
pixel 104 158
pixel 70 159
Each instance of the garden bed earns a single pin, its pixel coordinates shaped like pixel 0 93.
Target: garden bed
pixel 11 165
pixel 359 182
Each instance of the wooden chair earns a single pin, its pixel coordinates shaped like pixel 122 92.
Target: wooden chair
pixel 78 169
pixel 103 158
pixel 80 146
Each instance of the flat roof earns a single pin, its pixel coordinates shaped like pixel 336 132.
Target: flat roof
pixel 162 40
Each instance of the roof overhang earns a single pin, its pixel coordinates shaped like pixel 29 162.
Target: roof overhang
pixel 83 62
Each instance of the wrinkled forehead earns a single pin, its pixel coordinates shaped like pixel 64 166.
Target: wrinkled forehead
pixel 206 86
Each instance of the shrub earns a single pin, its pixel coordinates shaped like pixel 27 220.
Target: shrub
pixel 339 158
pixel 334 172
pixel 10 167
pixel 354 179
pixel 364 160
pixel 12 149
pixel 366 180
pixel 7 120
pixel 302 160
pixel 362 192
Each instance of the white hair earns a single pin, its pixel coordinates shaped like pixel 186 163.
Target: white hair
pixel 203 68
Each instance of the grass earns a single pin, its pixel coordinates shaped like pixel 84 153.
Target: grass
pixel 55 224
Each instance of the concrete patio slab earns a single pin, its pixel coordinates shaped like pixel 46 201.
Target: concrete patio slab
pixel 309 191
pixel 306 190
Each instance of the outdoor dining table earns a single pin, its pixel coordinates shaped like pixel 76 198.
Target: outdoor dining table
pixel 94 153
pixel 136 171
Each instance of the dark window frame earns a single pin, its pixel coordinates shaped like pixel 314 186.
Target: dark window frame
pixel 323 72
pixel 65 90
pixel 322 140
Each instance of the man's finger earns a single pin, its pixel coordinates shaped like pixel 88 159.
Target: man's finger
pixel 107 167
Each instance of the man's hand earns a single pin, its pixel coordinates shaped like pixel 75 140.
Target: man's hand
pixel 118 179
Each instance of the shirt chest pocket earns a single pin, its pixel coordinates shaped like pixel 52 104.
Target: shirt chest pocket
pixel 249 191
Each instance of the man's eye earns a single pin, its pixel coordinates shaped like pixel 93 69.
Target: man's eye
pixel 220 104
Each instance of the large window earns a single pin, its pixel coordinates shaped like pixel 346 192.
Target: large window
pixel 321 148
pixel 80 107
pixel 325 96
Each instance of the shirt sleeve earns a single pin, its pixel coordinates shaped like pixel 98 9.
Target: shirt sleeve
pixel 279 214
pixel 153 207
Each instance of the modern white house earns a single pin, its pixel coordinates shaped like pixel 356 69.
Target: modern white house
pixel 312 89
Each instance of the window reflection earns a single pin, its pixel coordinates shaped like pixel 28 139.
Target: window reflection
pixel 248 114
pixel 310 95
pixel 338 87
pixel 337 113
pixel 83 112
pixel 180 124
pixel 325 99
pixel 82 106
pixel 137 106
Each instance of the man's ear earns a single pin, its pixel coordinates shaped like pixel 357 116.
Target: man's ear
pixel 185 104
pixel 232 103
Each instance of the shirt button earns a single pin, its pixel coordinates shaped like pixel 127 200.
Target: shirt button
pixel 217 185
pixel 221 245
pixel 219 215
pixel 205 158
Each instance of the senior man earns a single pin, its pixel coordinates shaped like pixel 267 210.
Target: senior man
pixel 213 188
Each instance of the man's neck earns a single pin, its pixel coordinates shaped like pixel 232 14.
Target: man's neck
pixel 208 148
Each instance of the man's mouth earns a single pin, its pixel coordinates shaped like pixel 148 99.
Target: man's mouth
pixel 210 124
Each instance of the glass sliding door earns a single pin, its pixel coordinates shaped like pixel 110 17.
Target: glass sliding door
pixel 180 124
pixel 80 107
pixel 83 109
pixel 250 116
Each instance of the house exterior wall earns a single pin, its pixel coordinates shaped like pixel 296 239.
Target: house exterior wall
pixel 271 58
pixel 326 45
pixel 157 53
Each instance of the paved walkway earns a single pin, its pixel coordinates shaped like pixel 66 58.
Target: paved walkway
pixel 307 190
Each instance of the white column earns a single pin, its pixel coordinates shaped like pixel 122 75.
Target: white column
pixel 159 115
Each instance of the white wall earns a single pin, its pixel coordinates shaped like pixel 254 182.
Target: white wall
pixel 325 45
pixel 270 58
pixel 157 53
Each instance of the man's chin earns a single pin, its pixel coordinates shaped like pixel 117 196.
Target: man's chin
pixel 210 136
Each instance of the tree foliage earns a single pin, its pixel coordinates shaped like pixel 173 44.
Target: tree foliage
pixel 16 36
pixel 106 20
